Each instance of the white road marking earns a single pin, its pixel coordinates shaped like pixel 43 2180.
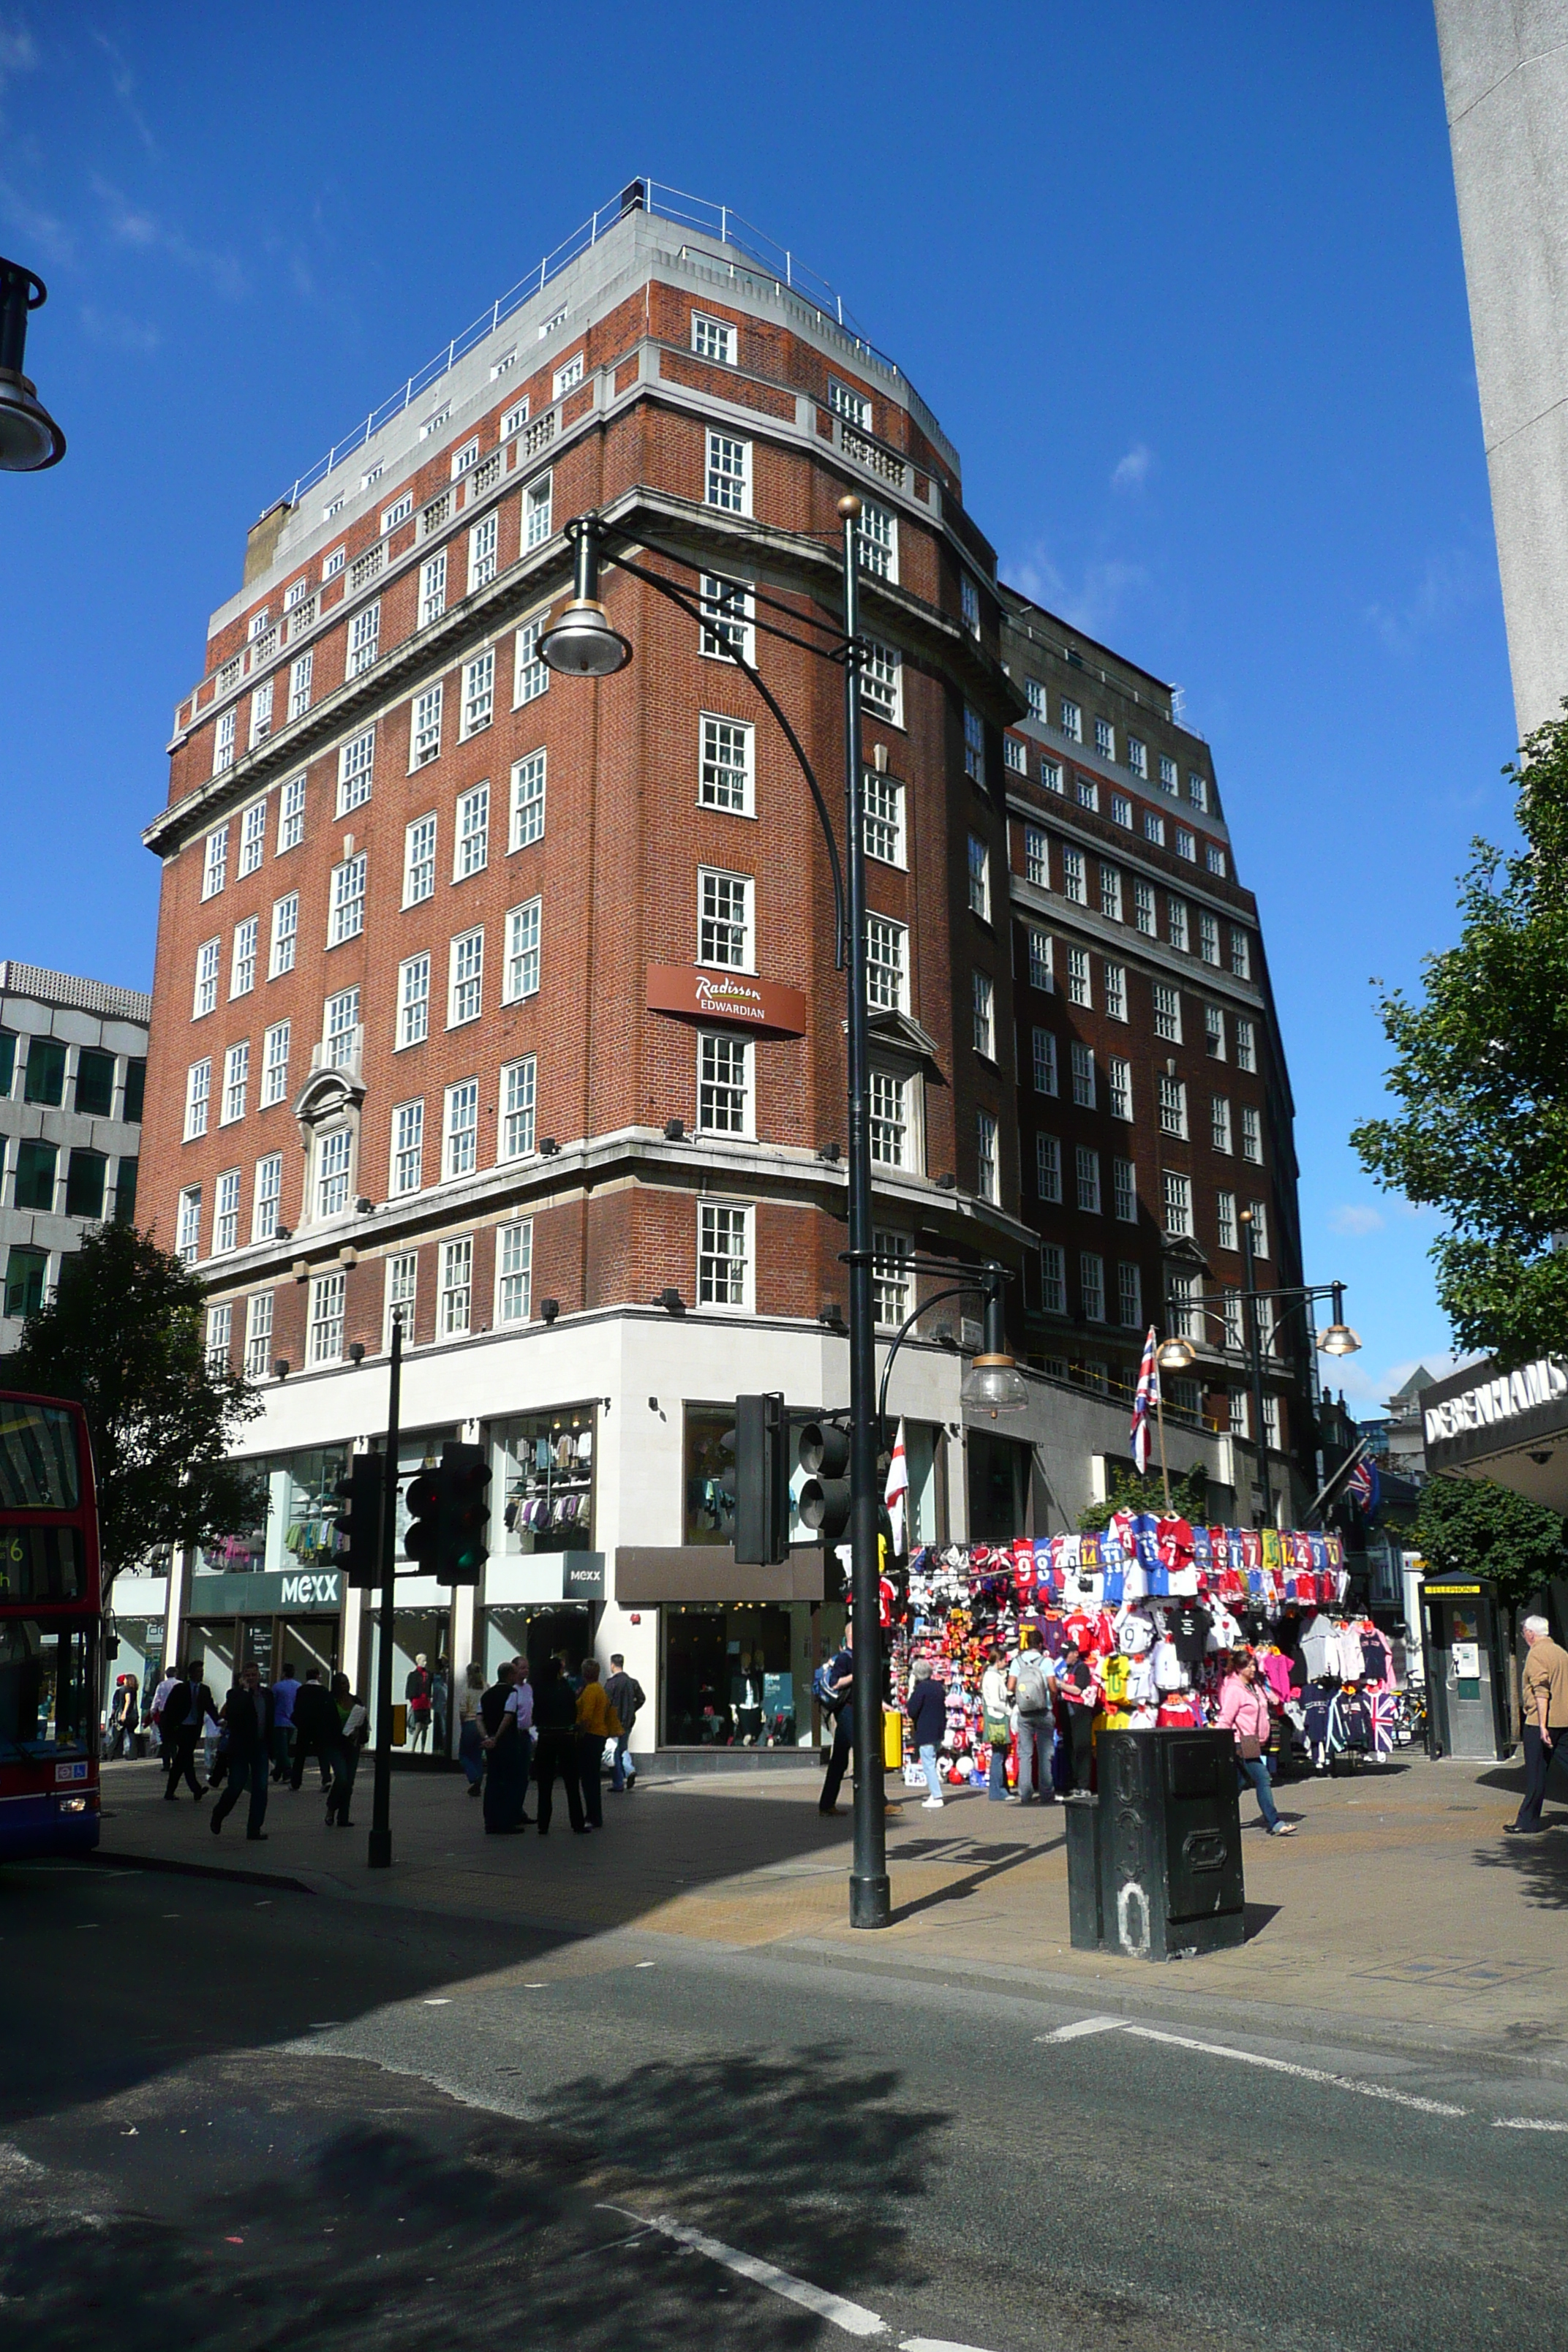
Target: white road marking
pixel 439 2000
pixel 852 2318
pixel 935 2344
pixel 1084 2025
pixel 1302 2074
pixel 1526 2123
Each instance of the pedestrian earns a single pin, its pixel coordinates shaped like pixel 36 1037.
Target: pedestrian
pixel 839 1682
pixel 316 1729
pixel 555 1723
pixel 470 1731
pixel 284 1690
pixel 353 1722
pixel 570 1675
pixel 1543 1704
pixel 1029 1686
pixel 417 1692
pixel 597 1722
pixel 440 1703
pixel 509 1749
pixel 1244 1713
pixel 166 1681
pixel 248 1720
pixel 628 1698
pixel 123 1712
pixel 185 1711
pixel 1078 1688
pixel 927 1710
pixel 997 1706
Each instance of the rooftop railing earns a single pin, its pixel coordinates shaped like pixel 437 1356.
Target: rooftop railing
pixel 776 261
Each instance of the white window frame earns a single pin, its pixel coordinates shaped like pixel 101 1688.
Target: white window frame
pixel 275 1047
pixel 1043 1059
pixel 984 1008
pixel 472 832
pixel 728 617
pixel 892 1278
pixel 886 964
pixel 461 1129
pixel 420 840
pixel 518 1111
pixel 199 1097
pixel 413 1000
pixel 242 958
pixel 291 814
pixel 214 861
pixel 877 541
pixel 402 1295
pixel 1110 892
pixel 484 545
pixel 266 1198
pixel 1091 1285
pixel 425 725
pixel 1240 954
pixel 432 588
pixel 725 1275
pixel 1167 1012
pixel 1226 1224
pixel 1053 1278
pixel 1252 1134
pixel 727 473
pixel 478 698
pixel 1173 1105
pixel 203 995
pixel 973 746
pixel 188 1226
pixel 345 918
pixel 364 639
pixel 406 1167
pixel 1177 1196
pixel 530 677
pixel 883 681
pixel 236 1083
pixel 1119 1085
pixel 324 1329
pixel 302 674
pixel 1080 979
pixel 252 838
pixel 1246 1043
pixel 466 978
pixel 514 1272
pixel 719 928
pixel 1129 1294
pixel 1124 1192
pixel 522 971
pixel 1083 1080
pixel 1048 1168
pixel 1219 1123
pixel 1105 738
pixel 333 1170
pixel 1176 924
pixel 258 1334
pixel 987 1156
pixel 1115 978
pixel 979 878
pixel 726 1083
pixel 1041 963
pixel 226 1216
pixel 538 510
pixel 223 740
pixel 1036 856
pixel 1143 913
pixel 356 771
pixel 1072 720
pixel 726 764
pixel 1075 877
pixel 713 339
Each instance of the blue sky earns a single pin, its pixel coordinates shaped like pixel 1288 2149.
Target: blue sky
pixel 1183 285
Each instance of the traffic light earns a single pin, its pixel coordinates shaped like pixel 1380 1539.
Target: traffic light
pixel 464 1545
pixel 762 1479
pixel 824 1502
pixel 359 1518
pixel 423 1540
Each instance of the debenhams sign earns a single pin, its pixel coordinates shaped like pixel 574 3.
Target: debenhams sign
pixel 1502 1399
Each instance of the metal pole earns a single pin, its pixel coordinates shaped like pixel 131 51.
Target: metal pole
pixel 1255 1343
pixel 869 1899
pixel 1160 1417
pixel 380 1854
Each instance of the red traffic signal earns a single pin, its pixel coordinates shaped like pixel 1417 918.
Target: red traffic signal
pixel 423 1539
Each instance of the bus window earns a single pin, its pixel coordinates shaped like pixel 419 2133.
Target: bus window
pixel 40 1564
pixel 44 1701
pixel 37 1458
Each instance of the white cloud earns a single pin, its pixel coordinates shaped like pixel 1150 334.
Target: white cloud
pixel 48 237
pixel 119 332
pixel 1447 584
pixel 1093 604
pixel 18 52
pixel 134 226
pixel 1131 472
pixel 1356 1217
pixel 123 82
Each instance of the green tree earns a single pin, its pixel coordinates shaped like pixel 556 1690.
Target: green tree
pixel 123 1335
pixel 1472 1528
pixel 1129 1492
pixel 1482 1128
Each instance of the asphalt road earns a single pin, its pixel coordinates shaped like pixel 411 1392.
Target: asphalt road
pixel 249 2117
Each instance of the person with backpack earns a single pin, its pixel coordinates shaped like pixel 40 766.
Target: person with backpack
pixel 628 1698
pixel 1031 1692
pixel 835 1687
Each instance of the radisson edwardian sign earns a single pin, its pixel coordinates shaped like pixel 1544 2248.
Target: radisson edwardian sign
pixel 765 1007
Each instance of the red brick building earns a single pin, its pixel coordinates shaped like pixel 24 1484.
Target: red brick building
pixel 421 898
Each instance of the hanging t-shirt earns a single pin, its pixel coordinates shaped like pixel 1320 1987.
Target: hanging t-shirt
pixel 1188 1626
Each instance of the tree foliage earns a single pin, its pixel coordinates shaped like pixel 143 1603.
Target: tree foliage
pixel 1482 1130
pixel 1189 1497
pixel 1470 1528
pixel 123 1335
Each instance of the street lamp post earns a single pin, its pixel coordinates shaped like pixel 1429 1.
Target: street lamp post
pixel 1177 1353
pixel 29 438
pixel 580 641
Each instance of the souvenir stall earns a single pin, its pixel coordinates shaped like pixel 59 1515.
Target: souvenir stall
pixel 1138 1623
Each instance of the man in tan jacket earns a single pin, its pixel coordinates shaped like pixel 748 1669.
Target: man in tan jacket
pixel 1544 1699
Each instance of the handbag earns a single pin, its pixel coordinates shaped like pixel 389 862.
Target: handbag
pixel 1247 1747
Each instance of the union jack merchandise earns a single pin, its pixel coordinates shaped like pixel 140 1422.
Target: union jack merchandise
pixel 1144 1402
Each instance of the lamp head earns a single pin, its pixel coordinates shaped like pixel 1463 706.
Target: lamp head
pixel 1339 1339
pixel 1176 1356
pixel 29 438
pixel 580 641
pixel 994 1384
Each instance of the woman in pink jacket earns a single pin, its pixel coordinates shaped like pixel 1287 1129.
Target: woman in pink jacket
pixel 1244 1713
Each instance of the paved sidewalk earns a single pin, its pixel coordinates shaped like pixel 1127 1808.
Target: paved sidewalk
pixel 1400 1911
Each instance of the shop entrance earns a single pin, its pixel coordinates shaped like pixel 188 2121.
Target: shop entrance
pixel 536 1635
pixel 736 1675
pixel 421 1680
pixel 274 1644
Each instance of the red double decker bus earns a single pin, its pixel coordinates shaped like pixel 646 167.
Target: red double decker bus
pixel 51 1628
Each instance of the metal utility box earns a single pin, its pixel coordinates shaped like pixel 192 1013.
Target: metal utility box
pixel 1466 1668
pixel 1154 1866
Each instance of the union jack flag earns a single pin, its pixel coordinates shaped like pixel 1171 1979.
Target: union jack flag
pixel 1144 1402
pixel 1364 1485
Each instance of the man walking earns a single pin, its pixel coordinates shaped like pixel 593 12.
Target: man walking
pixel 248 1717
pixel 508 1707
pixel 840 1682
pixel 185 1710
pixel 1031 1689
pixel 1544 1702
pixel 597 1722
pixel 317 1728
pixel 284 1692
pixel 628 1698
pixel 555 1720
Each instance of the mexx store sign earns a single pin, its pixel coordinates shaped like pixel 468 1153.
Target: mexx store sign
pixel 307 1592
pixel 1502 1399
